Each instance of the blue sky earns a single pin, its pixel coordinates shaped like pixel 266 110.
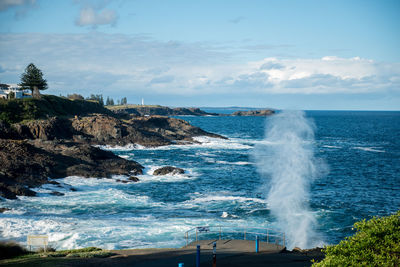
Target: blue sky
pixel 281 54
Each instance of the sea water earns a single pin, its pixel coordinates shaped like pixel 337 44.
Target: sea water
pixel 221 186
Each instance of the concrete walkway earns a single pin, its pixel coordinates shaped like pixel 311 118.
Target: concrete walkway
pixel 234 245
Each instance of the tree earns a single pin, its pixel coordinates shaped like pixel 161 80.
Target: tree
pixel 98 98
pixel 32 79
pixel 376 243
pixel 124 101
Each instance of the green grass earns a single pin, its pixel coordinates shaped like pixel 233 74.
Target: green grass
pixel 17 110
pixel 33 258
pixel 115 107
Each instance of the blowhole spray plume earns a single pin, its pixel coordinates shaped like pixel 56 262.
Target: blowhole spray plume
pixel 285 160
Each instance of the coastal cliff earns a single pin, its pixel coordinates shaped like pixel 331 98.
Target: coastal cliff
pixel 54 137
pixel 139 110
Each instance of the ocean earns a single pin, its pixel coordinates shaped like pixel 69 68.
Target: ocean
pixel 360 151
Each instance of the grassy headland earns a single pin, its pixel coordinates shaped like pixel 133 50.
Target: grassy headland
pixel 17 110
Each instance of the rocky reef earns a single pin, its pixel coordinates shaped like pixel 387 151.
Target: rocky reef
pixel 41 147
pixel 263 112
pixel 29 163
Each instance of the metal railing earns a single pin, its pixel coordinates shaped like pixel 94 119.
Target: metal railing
pixel 268 235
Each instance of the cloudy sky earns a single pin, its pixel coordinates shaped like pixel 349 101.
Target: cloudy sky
pixel 283 54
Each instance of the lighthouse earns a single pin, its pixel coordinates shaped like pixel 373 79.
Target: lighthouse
pixel 142 101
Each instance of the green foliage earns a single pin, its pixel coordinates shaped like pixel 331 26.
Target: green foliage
pixel 11 95
pixel 75 97
pixel 10 249
pixel 33 77
pixel 376 243
pixel 17 110
pixel 109 101
pixel 98 98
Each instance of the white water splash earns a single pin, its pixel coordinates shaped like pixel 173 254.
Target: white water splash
pixel 286 161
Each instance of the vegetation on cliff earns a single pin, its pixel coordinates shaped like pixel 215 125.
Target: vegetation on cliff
pixel 376 243
pixel 17 110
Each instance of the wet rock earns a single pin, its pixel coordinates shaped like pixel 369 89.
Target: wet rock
pixel 133 179
pixel 4 209
pixel 56 193
pixel 168 170
pixel 29 164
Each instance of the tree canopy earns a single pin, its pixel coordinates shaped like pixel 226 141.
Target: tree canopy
pixel 32 78
pixel 376 243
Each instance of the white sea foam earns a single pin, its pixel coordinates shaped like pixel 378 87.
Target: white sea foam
pixel 128 147
pixel 326 146
pixel 148 176
pixel 234 163
pixel 370 149
pixel 224 198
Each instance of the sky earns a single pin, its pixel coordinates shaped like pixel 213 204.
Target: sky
pixel 283 54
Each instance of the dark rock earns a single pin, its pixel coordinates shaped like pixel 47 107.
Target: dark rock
pixel 49 129
pixel 264 112
pixel 73 189
pixel 4 209
pixel 133 179
pixel 55 193
pixel 29 163
pixel 148 131
pixel 168 170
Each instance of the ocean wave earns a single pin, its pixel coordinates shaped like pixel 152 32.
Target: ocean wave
pixel 169 178
pixel 200 198
pixel 327 146
pixel 234 163
pixel 369 149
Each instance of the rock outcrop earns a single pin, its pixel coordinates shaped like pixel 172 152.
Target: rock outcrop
pixel 28 164
pixel 168 170
pixel 264 112
pixel 102 129
pixel 138 110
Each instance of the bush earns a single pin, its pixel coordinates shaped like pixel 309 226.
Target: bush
pixel 375 243
pixel 75 97
pixel 11 249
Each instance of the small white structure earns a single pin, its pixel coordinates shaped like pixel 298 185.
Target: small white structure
pixel 16 89
pixel 38 241
pixel 142 101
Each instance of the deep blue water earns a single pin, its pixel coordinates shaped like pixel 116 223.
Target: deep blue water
pixel 221 186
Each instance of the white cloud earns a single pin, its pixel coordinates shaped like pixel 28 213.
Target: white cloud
pixel 91 17
pixel 121 63
pixel 5 4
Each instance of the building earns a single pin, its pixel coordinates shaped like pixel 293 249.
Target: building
pixel 6 89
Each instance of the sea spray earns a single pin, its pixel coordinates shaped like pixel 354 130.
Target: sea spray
pixel 286 162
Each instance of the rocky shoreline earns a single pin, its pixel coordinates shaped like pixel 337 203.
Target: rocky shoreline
pixel 32 152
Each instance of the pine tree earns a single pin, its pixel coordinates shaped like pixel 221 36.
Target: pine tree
pixel 32 78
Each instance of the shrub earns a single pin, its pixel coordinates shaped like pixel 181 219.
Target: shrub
pixel 75 97
pixel 9 249
pixel 375 243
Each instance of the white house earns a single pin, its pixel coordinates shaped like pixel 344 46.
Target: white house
pixel 16 89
